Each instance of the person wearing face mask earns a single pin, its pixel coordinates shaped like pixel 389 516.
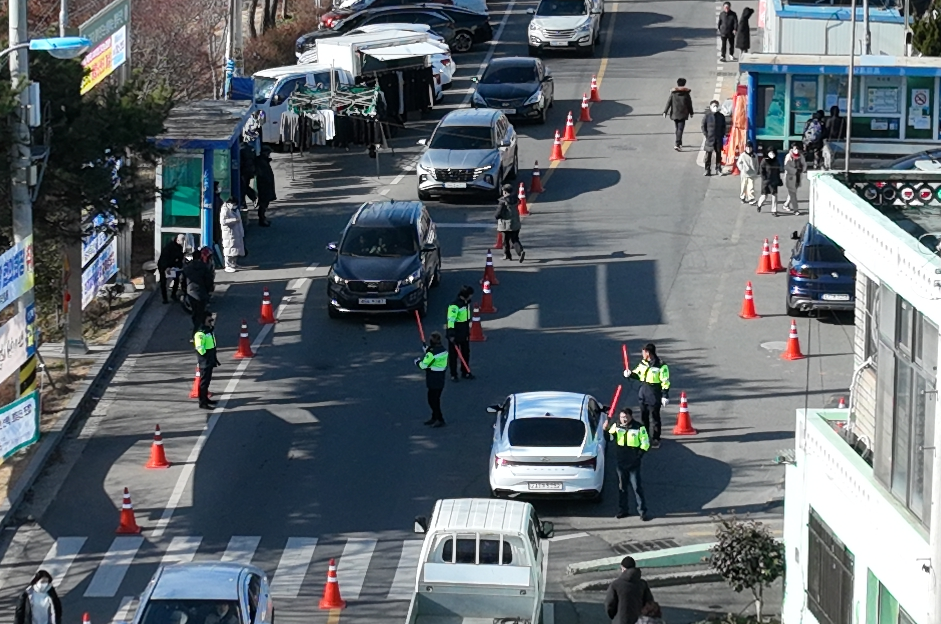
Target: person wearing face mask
pixel 40 603
pixel 713 130
pixel 748 166
pixel 794 166
pixel 770 180
pixel 458 332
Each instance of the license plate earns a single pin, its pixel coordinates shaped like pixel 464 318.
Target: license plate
pixel 559 44
pixel 372 301
pixel 545 486
pixel 508 111
pixel 835 297
pixel 455 185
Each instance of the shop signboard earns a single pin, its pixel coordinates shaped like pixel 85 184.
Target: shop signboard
pixel 16 343
pixel 19 425
pixel 107 31
pixel 16 271
pixel 99 271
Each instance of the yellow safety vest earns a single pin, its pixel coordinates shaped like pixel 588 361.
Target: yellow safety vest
pixel 203 341
pixel 653 375
pixel 631 437
pixel 437 362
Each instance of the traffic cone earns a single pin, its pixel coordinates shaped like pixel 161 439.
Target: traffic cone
pixel 569 129
pixel 194 393
pixel 523 208
pixel 476 329
pixel 158 459
pixel 764 263
pixel 556 148
pixel 127 523
pixel 331 591
pixel 245 347
pixel 535 186
pixel 793 350
pixel 684 426
pixel 86 619
pixel 498 244
pixel 267 314
pixel 586 113
pixel 776 265
pixel 486 303
pixel 488 271
pixel 748 304
pixel 594 95
pixel 842 404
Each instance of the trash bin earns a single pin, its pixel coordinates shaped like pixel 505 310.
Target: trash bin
pixel 150 275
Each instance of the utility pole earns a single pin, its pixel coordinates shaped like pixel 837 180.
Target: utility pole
pixel 867 46
pixel 849 90
pixel 63 17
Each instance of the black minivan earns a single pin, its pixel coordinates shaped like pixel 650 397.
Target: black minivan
pixel 387 259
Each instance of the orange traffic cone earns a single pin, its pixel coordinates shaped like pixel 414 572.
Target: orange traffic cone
pixel 331 591
pixel 488 271
pixel 842 404
pixel 476 329
pixel 556 148
pixel 194 393
pixel 86 619
pixel 158 459
pixel 594 95
pixel 776 265
pixel 486 303
pixel 684 426
pixel 748 304
pixel 245 347
pixel 793 350
pixel 499 242
pixel 535 186
pixel 586 113
pixel 127 523
pixel 569 129
pixel 764 263
pixel 267 314
pixel 523 207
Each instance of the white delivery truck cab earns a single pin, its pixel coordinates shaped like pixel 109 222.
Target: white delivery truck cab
pixel 392 49
pixel 482 561
pixel 275 85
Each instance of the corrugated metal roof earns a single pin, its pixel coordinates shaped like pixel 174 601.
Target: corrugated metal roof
pixel 481 514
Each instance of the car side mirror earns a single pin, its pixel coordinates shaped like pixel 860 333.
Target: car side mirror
pixel 421 524
pixel 546 529
pixel 531 11
pixel 332 247
pixel 493 409
pixel 795 235
pixel 429 247
pixel 422 141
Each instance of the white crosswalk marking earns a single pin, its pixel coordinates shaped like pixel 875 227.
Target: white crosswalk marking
pixel 351 570
pixel 181 549
pixel 241 548
pixel 60 557
pixel 125 610
pixel 113 567
pixel 404 582
pixel 292 569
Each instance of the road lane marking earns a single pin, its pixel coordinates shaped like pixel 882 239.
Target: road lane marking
pixel 113 567
pixel 333 617
pixel 404 582
pixel 351 569
pixel 296 558
pixel 601 294
pixel 562 538
pixel 241 549
pixel 125 609
pixel 181 549
pixel 483 226
pixel 60 557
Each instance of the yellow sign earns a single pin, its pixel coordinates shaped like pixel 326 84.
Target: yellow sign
pixel 104 59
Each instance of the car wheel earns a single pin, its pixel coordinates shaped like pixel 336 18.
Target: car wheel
pixel 495 494
pixel 423 195
pixel 516 167
pixel 791 311
pixel 332 312
pixel 436 277
pixel 534 51
pixel 544 114
pixel 498 186
pixel 463 41
pixel 588 51
pixel 598 498
pixel 423 306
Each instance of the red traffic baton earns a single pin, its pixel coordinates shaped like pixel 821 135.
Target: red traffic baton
pixel 461 357
pixel 627 363
pixel 421 330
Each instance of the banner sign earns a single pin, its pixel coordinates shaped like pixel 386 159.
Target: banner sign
pixel 107 31
pixel 16 344
pixel 19 424
pixel 99 236
pixel 97 274
pixel 16 271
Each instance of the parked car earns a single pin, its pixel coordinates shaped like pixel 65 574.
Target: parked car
pixel 929 160
pixel 470 151
pixel 351 6
pixel 386 260
pixel 548 443
pixel 819 276
pixel 468 23
pixel 565 25
pixel 520 87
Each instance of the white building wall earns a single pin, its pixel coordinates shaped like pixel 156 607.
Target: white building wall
pixel 864 394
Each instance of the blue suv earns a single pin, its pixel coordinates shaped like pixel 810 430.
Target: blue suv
pixel 819 277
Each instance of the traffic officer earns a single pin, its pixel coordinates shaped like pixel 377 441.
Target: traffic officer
pixel 205 342
pixel 654 392
pixel 631 440
pixel 458 332
pixel 434 364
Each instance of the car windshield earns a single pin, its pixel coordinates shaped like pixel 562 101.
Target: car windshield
pixel 264 87
pixel 512 74
pixel 546 432
pixel 823 253
pixel 561 7
pixel 462 138
pixel 191 612
pixel 383 242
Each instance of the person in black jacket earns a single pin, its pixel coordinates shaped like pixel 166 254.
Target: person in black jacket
pixel 171 257
pixel 627 594
pixel 434 363
pixel 743 34
pixel 39 603
pixel 770 179
pixel 680 108
pixel 199 283
pixel 264 177
pixel 713 130
pixel 727 27
pixel 508 222
pixel 631 442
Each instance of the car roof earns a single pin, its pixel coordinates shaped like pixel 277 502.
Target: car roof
pixel 386 214
pixel 548 404
pixel 512 61
pixel 193 581
pixel 289 70
pixel 480 514
pixel 449 8
pixel 470 117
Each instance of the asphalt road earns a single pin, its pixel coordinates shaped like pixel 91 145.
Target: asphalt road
pixel 320 451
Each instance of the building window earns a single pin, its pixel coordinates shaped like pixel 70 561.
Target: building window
pixel 829 574
pixel 881 605
pixel 872 320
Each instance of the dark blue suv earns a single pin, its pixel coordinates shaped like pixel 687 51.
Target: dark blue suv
pixel 819 277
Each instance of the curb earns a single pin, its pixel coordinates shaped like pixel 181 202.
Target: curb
pixel 658 580
pixel 83 401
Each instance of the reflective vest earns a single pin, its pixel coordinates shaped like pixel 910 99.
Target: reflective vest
pixel 632 437
pixel 458 314
pixel 653 375
pixel 204 341
pixel 437 362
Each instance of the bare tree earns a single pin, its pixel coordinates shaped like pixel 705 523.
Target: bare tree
pixel 252 10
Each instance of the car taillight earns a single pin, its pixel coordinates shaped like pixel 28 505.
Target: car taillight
pixel 446 62
pixel 798 272
pixel 499 461
pixel 588 463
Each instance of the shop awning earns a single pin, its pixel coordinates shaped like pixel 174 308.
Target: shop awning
pixel 403 51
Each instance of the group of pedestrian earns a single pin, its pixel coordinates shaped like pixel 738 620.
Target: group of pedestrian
pixel 733 32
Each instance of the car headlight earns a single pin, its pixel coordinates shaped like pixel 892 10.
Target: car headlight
pixel 429 171
pixel 535 97
pixel 479 170
pixel 411 279
pixel 336 279
pixel 584 28
pixel 477 99
pixel 533 26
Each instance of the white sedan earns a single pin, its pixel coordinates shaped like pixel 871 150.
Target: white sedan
pixel 548 443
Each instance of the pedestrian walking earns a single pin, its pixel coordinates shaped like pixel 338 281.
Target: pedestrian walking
pixel 205 343
pixel 680 108
pixel 651 613
pixel 654 391
pixel 727 27
pixel 834 130
pixel 627 594
pixel 631 442
pixel 770 180
pixel 508 222
pixel 39 603
pixel 743 32
pixel 747 164
pixel 264 177
pixel 171 257
pixel 233 235
pixel 794 167
pixel 200 283
pixel 458 333
pixel 813 137
pixel 713 130
pixel 434 363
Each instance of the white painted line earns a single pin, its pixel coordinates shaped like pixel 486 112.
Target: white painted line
pixel 60 557
pixel 125 609
pixel 398 178
pixel 113 567
pixel 292 569
pixel 601 293
pixel 568 536
pixel 384 191
pixel 241 549
pixel 351 569
pixel 482 226
pixel 404 582
pixel 181 550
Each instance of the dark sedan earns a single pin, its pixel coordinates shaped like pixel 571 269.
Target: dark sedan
pixel 469 23
pixel 819 275
pixel 929 160
pixel 521 87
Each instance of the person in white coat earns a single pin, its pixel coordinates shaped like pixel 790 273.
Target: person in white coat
pixel 748 170
pixel 794 167
pixel 233 234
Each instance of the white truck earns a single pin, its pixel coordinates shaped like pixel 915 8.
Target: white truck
pixel 482 561
pixel 377 51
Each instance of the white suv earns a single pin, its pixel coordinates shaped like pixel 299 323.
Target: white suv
pixel 565 24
